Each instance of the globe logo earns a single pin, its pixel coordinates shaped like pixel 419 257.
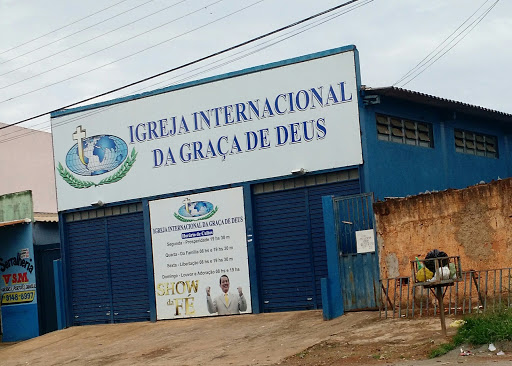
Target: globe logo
pixel 100 154
pixel 192 211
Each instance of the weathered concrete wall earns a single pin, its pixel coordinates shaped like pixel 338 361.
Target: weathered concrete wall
pixel 16 206
pixel 474 223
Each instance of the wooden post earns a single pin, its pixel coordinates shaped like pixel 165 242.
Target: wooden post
pixel 439 295
pixel 472 274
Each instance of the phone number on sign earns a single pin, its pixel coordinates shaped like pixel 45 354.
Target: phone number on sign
pixel 18 297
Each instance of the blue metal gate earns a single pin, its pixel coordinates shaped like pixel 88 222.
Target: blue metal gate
pixel 359 272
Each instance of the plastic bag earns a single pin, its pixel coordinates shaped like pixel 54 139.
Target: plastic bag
pixel 424 274
pixel 436 253
pixel 442 273
pixel 453 271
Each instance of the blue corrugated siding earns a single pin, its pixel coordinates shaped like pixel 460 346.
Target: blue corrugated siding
pixel 290 245
pixel 108 269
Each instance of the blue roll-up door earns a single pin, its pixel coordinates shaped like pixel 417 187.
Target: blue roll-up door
pixel 107 265
pixel 290 242
pixel 89 272
pixel 284 252
pixel 130 299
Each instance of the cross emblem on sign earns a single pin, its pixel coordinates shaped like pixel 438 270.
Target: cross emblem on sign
pixel 78 136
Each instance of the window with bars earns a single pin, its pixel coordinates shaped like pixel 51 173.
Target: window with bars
pixel 468 142
pixel 404 131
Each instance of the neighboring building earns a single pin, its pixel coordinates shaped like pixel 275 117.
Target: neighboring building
pixel 26 158
pixel 29 232
pixel 161 193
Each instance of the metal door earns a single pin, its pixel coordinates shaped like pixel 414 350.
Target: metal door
pixel 107 261
pixel 47 308
pixel 359 271
pixel 291 245
pixel 128 272
pixel 89 272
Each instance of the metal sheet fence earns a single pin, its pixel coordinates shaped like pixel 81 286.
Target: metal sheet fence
pixel 477 291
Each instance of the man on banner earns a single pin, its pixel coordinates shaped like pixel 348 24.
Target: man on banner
pixel 226 304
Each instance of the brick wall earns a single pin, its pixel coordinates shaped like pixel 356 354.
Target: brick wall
pixel 474 223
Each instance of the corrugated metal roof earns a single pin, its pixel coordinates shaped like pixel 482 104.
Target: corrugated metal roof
pixel 46 217
pixel 432 100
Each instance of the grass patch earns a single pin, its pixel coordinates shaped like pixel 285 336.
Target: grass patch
pixel 489 327
pixel 441 350
pixel 486 328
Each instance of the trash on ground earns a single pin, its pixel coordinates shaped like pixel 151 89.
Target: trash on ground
pixel 457 323
pixel 500 353
pixel 465 353
pixel 492 348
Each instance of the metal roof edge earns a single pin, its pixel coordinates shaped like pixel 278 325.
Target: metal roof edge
pixel 441 102
pixel 46 217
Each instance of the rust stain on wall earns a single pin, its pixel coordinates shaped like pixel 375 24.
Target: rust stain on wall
pixel 474 223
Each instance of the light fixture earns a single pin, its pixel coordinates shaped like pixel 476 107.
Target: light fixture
pixel 98 203
pixel 299 171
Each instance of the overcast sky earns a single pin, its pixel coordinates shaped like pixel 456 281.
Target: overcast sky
pixel 120 42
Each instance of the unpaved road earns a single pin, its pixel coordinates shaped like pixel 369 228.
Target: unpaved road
pixel 288 339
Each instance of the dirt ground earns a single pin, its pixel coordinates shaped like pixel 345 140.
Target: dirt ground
pixel 287 339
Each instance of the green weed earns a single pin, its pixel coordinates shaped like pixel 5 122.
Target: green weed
pixel 442 349
pixel 489 327
pixel 485 328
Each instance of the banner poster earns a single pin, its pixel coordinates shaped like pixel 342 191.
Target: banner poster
pixel 200 255
pixel 18 277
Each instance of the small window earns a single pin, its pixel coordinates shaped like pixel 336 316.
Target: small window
pixel 476 144
pixel 404 131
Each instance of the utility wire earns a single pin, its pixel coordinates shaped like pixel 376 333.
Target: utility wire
pixel 439 45
pixel 434 56
pixel 72 34
pixel 125 57
pixel 189 63
pixel 89 40
pixel 444 53
pixel 283 37
pixel 64 26
pixel 305 28
pixel 293 34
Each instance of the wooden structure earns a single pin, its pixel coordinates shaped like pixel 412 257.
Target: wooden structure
pixel 436 274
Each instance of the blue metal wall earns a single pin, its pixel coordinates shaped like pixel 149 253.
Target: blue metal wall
pixel 396 170
pixel 19 321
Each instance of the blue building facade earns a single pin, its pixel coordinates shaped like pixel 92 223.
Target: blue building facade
pixel 30 243
pixel 464 146
pixel 410 142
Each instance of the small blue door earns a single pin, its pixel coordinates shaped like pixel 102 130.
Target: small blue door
pixel 359 264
